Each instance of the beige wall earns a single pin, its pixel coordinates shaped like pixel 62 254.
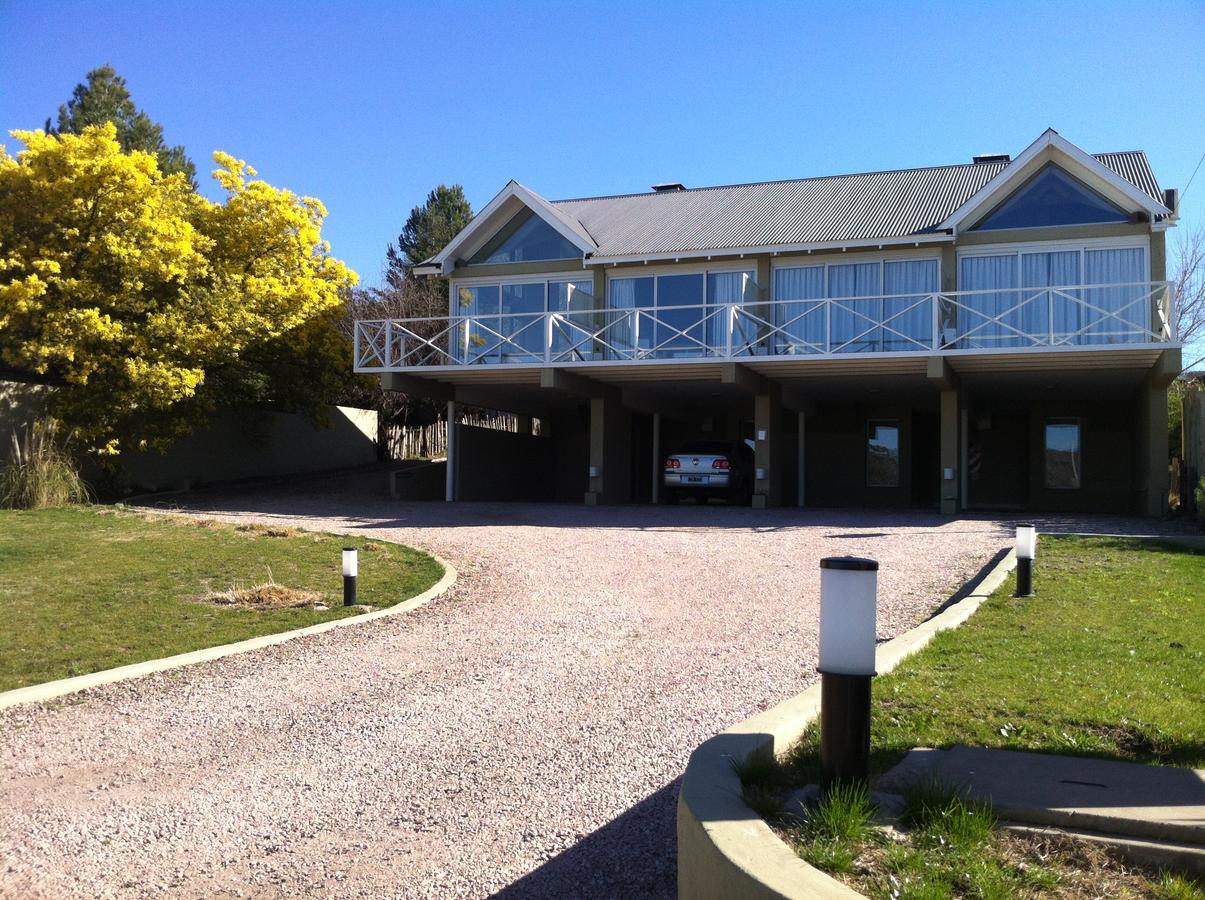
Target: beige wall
pixel 20 405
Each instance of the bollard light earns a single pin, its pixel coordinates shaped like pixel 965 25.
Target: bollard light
pixel 351 566
pixel 848 593
pixel 1027 548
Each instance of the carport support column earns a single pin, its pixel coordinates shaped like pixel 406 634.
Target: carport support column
pixel 658 462
pixel 609 449
pixel 767 428
pixel 453 450
pixel 943 377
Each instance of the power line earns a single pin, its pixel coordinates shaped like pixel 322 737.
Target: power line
pixel 1191 177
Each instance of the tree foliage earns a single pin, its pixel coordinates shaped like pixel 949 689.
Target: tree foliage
pixel 428 230
pixel 105 98
pixel 148 304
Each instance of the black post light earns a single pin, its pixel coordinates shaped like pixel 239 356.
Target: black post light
pixel 848 596
pixel 1027 548
pixel 351 567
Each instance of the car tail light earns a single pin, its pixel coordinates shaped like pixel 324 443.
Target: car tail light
pixel 721 464
pixel 672 463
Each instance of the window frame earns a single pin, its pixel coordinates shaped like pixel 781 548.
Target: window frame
pixel 871 424
pixel 1079 452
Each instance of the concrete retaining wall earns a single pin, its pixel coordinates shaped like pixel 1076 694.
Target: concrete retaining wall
pixel 241 444
pixel 725 849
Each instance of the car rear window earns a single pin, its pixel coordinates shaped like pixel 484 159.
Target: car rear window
pixel 706 447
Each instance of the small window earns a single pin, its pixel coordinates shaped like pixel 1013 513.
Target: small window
pixel 1062 454
pixel 883 454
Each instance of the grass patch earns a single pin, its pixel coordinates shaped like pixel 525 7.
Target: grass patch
pixel 89 588
pixel 1105 661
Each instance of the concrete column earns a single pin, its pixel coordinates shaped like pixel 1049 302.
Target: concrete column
pixel 523 424
pixel 950 462
pixel 610 441
pixel 453 450
pixel 658 463
pixel 802 461
pixel 767 426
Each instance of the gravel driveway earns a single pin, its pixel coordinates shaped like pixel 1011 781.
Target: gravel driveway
pixel 523 736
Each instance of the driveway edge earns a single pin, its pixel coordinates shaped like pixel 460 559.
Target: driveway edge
pixel 725 849
pixel 37 693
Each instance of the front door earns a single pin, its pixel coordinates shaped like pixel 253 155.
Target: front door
pixel 997 460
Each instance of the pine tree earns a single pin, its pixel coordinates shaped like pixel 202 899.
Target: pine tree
pixel 105 98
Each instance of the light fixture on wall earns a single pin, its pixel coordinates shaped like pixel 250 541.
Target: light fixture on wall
pixel 351 567
pixel 848 598
pixel 1027 549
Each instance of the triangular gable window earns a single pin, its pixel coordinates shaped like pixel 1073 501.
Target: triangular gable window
pixel 525 238
pixel 1052 197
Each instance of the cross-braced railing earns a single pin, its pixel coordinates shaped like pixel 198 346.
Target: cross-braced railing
pixel 936 322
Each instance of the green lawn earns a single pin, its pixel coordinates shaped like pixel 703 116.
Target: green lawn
pixel 1107 660
pixel 89 588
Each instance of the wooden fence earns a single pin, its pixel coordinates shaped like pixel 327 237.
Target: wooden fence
pixel 431 441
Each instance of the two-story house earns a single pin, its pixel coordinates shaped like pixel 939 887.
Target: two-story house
pixel 994 334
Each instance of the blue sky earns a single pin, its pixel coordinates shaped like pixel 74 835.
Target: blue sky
pixel 369 105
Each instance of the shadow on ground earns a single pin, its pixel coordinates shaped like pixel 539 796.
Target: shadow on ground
pixel 633 855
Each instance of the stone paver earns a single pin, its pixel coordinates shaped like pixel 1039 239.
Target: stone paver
pixel 523 735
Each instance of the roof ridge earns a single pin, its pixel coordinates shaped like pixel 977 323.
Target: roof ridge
pixel 720 187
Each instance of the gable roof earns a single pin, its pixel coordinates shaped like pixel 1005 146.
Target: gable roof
pixel 1052 146
pixel 903 205
pixel 505 205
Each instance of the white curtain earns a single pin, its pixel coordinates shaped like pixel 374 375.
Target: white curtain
pixel 621 294
pixel 853 318
pixel 1132 305
pixel 1050 270
pixel 803 323
pixel 998 275
pixel 907 285
pixel 724 288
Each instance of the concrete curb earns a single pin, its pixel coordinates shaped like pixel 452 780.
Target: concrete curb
pixel 38 693
pixel 725 849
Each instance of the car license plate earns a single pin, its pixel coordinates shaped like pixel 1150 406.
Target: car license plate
pixel 696 479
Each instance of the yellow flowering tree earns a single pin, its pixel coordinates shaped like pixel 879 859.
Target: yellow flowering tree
pixel 134 294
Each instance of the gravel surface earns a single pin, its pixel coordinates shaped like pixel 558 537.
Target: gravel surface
pixel 523 735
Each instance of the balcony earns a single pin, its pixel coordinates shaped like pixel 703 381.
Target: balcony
pixel 964 322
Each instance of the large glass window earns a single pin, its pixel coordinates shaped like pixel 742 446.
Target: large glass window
pixel 882 454
pixel 506 323
pixel 578 320
pixel 803 321
pixel 679 332
pixel 476 341
pixel 896 293
pixel 1027 298
pixel 684 313
pixel 522 320
pixel 1052 197
pixel 1062 454
pixel 526 238
pixel 908 286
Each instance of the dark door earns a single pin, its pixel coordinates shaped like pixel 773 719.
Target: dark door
pixel 926 459
pixel 997 460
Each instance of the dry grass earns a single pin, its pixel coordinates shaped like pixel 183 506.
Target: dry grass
pixel 267 530
pixel 263 596
pixel 39 472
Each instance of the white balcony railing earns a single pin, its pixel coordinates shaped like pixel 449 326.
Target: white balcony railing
pixel 1017 318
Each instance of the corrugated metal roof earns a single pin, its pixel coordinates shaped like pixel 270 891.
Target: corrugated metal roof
pixel 864 206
